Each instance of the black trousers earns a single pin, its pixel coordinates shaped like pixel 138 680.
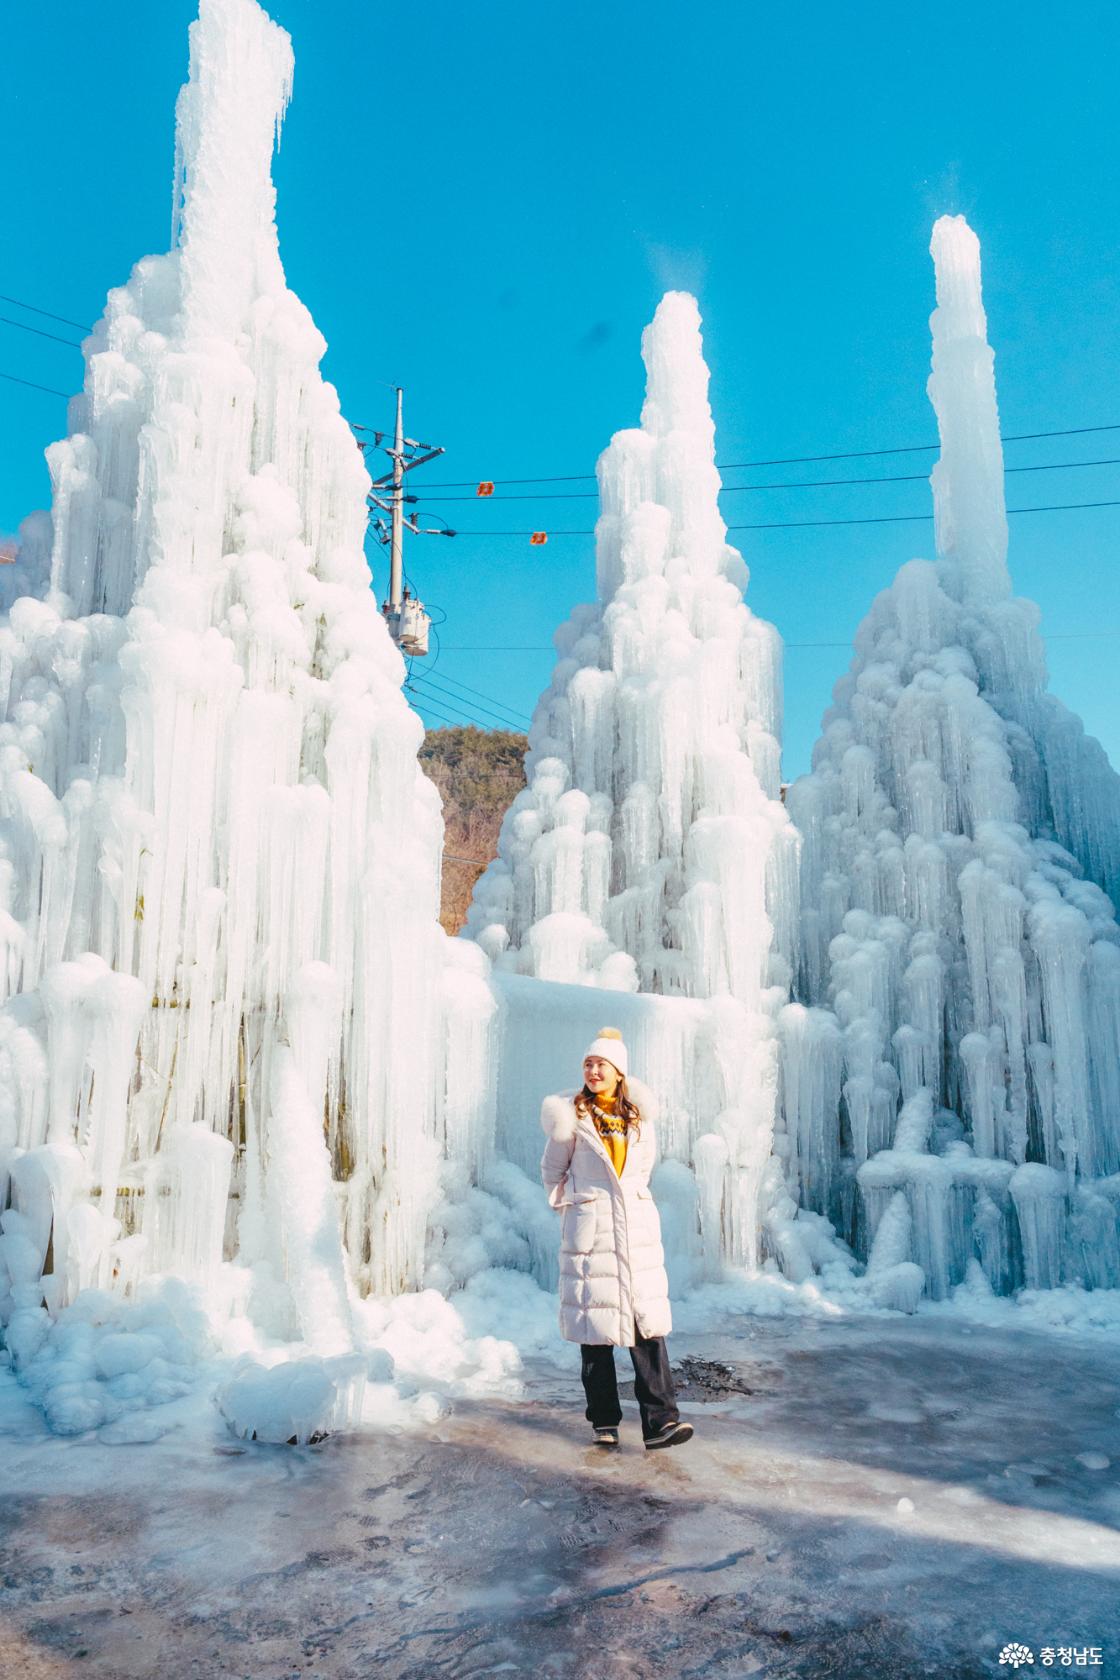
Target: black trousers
pixel 653 1385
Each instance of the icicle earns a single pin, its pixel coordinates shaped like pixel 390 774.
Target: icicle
pixel 968 479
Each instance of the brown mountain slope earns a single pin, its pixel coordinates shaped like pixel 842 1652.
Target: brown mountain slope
pixel 478 773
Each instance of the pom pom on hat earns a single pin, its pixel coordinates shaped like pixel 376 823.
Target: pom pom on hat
pixel 609 1047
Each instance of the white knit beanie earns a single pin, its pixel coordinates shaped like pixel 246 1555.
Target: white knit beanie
pixel 610 1048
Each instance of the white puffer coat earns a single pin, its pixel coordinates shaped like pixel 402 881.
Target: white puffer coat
pixel 612 1266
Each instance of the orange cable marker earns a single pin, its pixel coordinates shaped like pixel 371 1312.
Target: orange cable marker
pixel 486 488
pixel 538 537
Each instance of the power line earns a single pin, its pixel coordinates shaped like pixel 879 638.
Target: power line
pixel 411 688
pixel 803 524
pixel 549 496
pixel 542 647
pixel 505 715
pixel 477 692
pixel 1056 636
pixel 433 709
pixel 454 699
pixel 785 484
pixel 789 460
pixel 919 448
pixel 463 717
pixel 31 385
pixel 459 707
pixel 731 466
pixel 46 313
pixel 24 326
pixel 911 518
pixel 793 460
pixel 571 478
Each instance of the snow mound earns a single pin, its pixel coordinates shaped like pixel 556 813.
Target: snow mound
pixel 296 1402
pixel 111 1365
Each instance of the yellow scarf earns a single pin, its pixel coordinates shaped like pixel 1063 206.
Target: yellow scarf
pixel 612 1130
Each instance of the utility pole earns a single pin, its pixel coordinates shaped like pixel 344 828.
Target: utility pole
pixel 396 544
pixel 403 613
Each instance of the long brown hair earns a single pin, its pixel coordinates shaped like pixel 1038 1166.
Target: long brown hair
pixel 626 1107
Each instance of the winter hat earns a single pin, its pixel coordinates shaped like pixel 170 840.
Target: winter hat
pixel 610 1048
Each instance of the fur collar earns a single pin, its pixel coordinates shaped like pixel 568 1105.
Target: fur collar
pixel 558 1112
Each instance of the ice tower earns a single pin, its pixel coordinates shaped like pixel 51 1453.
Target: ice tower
pixel 955 826
pixel 650 851
pixel 638 857
pixel 219 861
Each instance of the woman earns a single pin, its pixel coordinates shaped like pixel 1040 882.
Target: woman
pixel 613 1288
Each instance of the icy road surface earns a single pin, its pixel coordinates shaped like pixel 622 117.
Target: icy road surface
pixel 863 1499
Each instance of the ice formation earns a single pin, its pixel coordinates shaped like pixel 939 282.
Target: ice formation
pixel 959 831
pixel 640 853
pixel 219 860
pixel 650 852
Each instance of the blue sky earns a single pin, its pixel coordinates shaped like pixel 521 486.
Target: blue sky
pixel 486 202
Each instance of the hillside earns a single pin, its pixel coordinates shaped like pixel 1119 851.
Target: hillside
pixel 478 772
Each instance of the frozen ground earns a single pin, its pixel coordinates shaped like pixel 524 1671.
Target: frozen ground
pixel 865 1499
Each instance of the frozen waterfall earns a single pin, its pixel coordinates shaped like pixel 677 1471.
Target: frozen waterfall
pixel 959 830
pixel 219 860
